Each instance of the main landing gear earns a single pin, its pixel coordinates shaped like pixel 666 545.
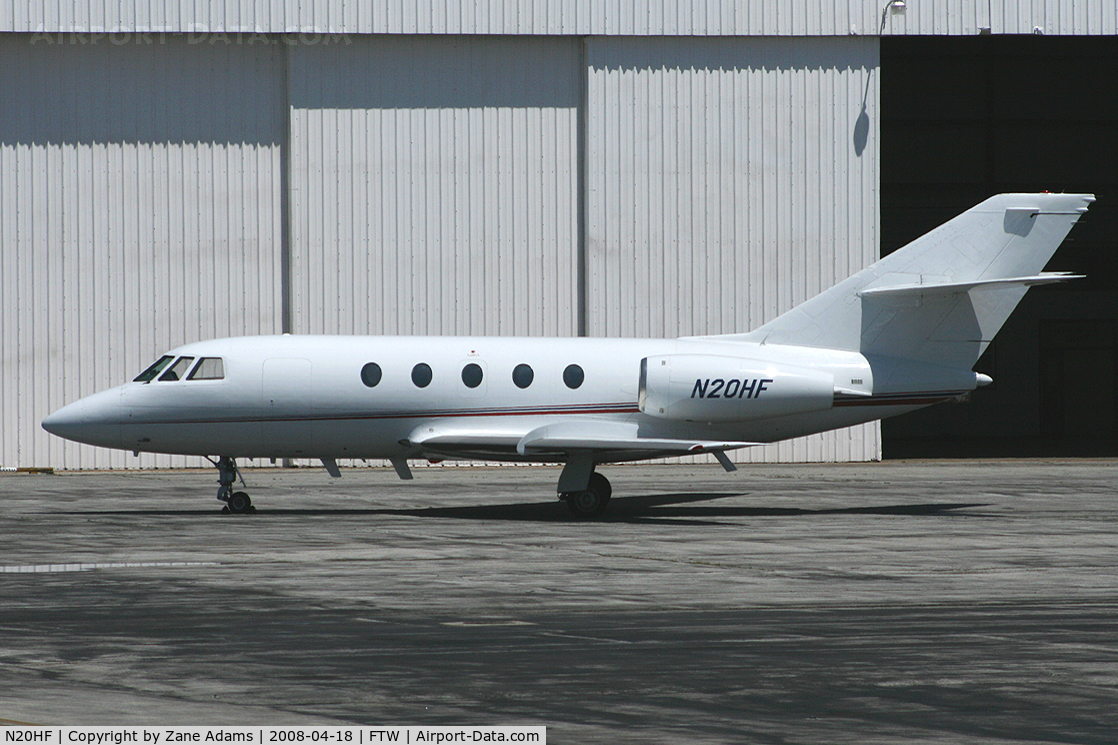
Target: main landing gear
pixel 237 503
pixel 589 502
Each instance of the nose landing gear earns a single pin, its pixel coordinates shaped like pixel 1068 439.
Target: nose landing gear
pixel 237 503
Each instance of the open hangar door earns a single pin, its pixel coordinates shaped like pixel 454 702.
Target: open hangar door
pixel 967 117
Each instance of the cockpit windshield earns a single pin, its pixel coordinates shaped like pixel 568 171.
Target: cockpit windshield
pixel 210 368
pixel 149 374
pixel 177 370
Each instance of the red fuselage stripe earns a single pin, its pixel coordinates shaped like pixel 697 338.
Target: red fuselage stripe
pixel 445 414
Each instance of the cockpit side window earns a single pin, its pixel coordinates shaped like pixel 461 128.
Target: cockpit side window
pixel 177 370
pixel 155 369
pixel 208 368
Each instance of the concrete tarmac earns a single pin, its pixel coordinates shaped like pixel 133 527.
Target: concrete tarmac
pixel 896 602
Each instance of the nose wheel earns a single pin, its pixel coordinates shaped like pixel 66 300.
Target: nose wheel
pixel 237 503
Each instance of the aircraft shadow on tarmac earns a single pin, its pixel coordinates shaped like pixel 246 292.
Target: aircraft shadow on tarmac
pixel 663 508
pixel 686 508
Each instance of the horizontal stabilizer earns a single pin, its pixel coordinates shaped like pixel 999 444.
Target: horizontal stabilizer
pixel 957 288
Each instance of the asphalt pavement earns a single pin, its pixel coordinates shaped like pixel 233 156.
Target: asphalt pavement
pixel 914 602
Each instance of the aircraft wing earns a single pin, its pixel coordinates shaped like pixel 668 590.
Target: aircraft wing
pixel 602 437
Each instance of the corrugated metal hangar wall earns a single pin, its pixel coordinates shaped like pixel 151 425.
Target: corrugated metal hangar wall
pixel 139 208
pixel 171 172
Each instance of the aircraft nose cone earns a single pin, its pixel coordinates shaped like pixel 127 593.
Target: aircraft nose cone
pixel 94 420
pixel 66 421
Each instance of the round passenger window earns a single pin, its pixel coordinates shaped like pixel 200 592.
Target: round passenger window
pixel 573 376
pixel 421 375
pixel 472 375
pixel 370 374
pixel 522 375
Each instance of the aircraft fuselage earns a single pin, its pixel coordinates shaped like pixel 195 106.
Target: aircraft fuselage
pixel 306 396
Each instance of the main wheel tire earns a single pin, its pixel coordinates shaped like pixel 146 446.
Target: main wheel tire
pixel 600 484
pixel 587 504
pixel 239 503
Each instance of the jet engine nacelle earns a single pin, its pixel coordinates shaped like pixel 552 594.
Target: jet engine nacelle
pixel 712 388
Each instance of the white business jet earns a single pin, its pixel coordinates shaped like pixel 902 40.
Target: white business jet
pixel 899 335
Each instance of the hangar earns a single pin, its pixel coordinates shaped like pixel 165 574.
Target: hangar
pixel 175 171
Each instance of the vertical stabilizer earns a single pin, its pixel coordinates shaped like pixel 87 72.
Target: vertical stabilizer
pixel 941 298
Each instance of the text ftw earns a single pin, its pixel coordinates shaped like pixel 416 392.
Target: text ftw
pixel 733 388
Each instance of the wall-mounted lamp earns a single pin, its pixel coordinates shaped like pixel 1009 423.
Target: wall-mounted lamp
pixel 896 7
